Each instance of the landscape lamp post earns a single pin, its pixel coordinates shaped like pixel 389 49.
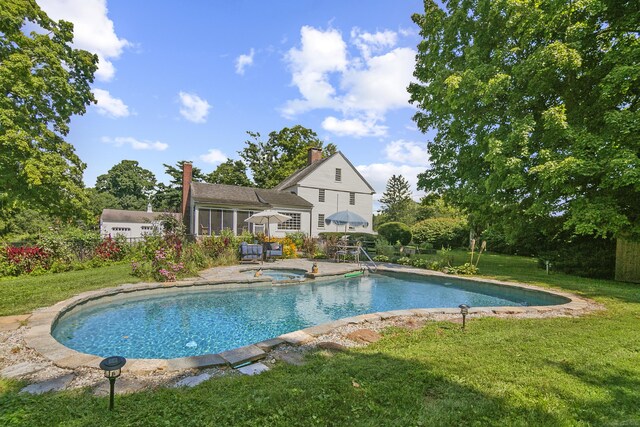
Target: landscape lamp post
pixel 112 367
pixel 464 310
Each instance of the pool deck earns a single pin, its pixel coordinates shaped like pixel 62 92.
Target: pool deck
pixel 37 332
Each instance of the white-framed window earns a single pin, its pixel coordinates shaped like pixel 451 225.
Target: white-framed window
pixel 321 194
pixel 290 224
pixel 320 220
pixel 120 229
pixel 352 198
pixel 338 174
pixel 147 228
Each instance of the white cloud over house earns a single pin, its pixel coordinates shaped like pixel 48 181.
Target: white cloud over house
pixel 109 106
pixel 353 127
pixel 406 158
pixel 193 108
pixel 362 83
pixel 243 61
pixel 134 143
pixel 92 30
pixel 213 156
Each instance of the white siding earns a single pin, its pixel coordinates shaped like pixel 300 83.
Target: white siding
pixel 131 230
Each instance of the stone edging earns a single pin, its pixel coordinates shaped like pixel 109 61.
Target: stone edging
pixel 42 322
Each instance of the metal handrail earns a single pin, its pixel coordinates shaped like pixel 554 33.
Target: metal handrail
pixel 375 267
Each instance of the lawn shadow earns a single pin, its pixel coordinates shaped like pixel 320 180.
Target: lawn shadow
pixel 350 388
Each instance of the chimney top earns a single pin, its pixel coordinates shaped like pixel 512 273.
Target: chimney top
pixel 314 154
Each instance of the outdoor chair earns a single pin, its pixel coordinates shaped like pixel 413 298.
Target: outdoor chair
pixel 249 252
pixel 273 250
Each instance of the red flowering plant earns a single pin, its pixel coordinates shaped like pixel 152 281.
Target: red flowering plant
pixel 25 259
pixel 108 249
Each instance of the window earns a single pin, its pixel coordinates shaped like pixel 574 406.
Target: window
pixel 321 195
pixel 121 229
pixel 290 224
pixel 352 198
pixel 147 228
pixel 241 225
pixel 227 220
pixel 320 220
pixel 338 174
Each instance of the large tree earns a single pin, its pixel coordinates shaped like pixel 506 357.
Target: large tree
pixel 43 81
pixel 130 183
pixel 397 204
pixel 169 197
pixel 282 154
pixel 231 172
pixel 536 110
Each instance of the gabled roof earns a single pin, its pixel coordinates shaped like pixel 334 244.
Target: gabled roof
pixel 300 174
pixel 245 196
pixel 136 217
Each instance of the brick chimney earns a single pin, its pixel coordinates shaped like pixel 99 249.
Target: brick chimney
pixel 187 168
pixel 314 154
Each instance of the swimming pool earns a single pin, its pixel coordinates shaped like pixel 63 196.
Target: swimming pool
pixel 181 323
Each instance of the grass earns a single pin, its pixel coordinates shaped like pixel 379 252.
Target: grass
pixel 21 295
pixel 540 372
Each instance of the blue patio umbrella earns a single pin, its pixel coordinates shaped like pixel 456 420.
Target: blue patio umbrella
pixel 346 218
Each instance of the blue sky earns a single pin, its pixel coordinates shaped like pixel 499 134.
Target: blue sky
pixel 186 80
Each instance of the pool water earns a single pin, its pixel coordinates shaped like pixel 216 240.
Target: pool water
pixel 281 275
pixel 190 323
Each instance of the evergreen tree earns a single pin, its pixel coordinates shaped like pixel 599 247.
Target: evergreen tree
pixel 168 198
pixel 397 204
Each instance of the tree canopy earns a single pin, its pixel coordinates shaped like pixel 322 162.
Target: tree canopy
pixel 131 184
pixel 535 105
pixel 281 155
pixel 231 172
pixel 169 197
pixel 43 81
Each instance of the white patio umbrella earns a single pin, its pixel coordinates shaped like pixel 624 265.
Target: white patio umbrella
pixel 267 217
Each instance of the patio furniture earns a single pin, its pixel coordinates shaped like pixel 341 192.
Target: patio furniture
pixel 250 252
pixel 273 250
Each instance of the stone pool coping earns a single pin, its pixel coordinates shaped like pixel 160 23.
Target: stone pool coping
pixel 42 321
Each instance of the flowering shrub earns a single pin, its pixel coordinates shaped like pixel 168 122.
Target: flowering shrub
pixel 26 259
pixel 108 249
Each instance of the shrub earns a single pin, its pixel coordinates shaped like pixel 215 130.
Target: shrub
pixel 404 260
pixel 26 259
pixel 441 232
pixel 310 246
pixel 396 232
pixel 381 258
pixel 297 238
pixel 465 269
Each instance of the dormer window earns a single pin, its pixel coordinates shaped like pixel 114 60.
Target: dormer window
pixel 338 174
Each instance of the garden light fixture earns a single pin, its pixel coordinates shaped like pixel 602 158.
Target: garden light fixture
pixel 112 367
pixel 464 310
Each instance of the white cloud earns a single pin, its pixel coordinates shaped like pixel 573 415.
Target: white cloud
pixel 194 108
pixel 92 30
pixel 213 156
pixel 353 127
pixel 136 144
pixel 321 53
pixel 413 153
pixel 244 61
pixel 377 174
pixel 110 106
pixel 382 85
pixel 363 86
pixel 369 43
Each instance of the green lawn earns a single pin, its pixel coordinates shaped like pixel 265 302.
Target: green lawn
pixel 542 372
pixel 20 295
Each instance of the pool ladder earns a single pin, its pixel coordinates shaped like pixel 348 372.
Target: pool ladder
pixel 375 267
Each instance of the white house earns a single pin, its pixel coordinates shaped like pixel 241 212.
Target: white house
pixel 130 224
pixel 308 196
